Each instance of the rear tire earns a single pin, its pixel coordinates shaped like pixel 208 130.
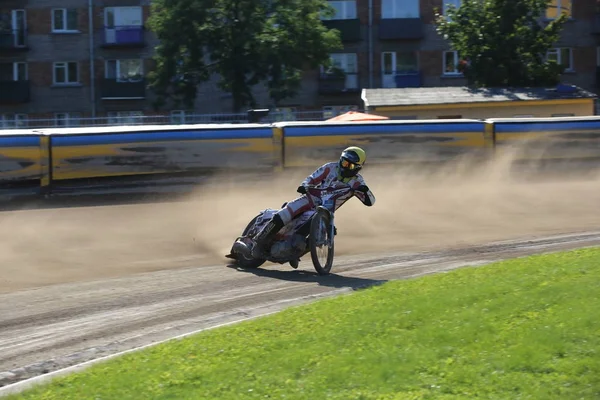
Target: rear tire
pixel 321 255
pixel 254 262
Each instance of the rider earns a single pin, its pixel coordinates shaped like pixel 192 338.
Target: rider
pixel 340 174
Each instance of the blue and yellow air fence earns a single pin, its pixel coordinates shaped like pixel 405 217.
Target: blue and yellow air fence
pixel 44 161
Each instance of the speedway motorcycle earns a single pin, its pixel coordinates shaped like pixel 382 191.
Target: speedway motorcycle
pixel 312 231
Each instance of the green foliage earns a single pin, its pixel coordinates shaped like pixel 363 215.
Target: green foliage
pixel 244 42
pixel 520 329
pixel 504 41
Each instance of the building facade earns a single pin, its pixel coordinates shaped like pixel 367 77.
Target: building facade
pixel 62 61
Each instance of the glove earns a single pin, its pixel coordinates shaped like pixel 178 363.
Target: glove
pixel 362 189
pixel 301 189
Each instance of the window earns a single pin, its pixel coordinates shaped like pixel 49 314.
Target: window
pixel 16 71
pixel 399 63
pixel 400 9
pixel 17 22
pixel 598 56
pixel 455 3
pixel 563 115
pixel 523 116
pixel 406 61
pixel 343 9
pixel 345 61
pixel 20 71
pixel 348 63
pixel 122 16
pixel 450 63
pixel 67 119
pixel 124 70
pixel 557 7
pixel 563 56
pixel 64 20
pixel 125 117
pixel 13 121
pixel 66 73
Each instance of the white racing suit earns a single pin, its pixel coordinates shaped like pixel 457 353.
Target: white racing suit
pixel 327 176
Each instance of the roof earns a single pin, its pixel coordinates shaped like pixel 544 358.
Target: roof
pixel 461 94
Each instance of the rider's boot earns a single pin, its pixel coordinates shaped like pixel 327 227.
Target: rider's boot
pixel 294 263
pixel 265 235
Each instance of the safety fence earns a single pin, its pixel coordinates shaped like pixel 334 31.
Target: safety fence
pixel 45 159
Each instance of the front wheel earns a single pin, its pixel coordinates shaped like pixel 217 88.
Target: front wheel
pixel 321 243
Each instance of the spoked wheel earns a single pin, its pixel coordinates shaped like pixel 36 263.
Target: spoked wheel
pixel 321 243
pixel 253 262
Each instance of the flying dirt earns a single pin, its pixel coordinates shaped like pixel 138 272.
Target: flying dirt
pixel 418 207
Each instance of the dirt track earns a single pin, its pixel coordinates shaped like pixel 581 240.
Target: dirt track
pixel 78 283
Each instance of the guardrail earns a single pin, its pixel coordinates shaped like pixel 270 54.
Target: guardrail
pixel 46 159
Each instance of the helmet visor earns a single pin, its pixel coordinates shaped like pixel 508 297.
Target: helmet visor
pixel 349 165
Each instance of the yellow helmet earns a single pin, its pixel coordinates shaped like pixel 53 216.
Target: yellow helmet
pixel 352 161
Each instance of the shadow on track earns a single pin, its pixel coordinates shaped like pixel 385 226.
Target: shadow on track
pixel 331 280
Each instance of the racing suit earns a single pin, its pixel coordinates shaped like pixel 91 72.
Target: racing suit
pixel 327 176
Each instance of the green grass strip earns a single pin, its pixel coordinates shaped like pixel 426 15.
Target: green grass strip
pixel 522 329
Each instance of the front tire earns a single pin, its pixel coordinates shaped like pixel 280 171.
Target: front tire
pixel 252 263
pixel 320 252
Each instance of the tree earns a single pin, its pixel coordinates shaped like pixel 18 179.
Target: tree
pixel 244 42
pixel 504 42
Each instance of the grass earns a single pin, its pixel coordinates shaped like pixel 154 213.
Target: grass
pixel 520 329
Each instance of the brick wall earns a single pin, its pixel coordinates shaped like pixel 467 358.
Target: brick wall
pixel 426 8
pixel 584 59
pixel 431 63
pixel 39 21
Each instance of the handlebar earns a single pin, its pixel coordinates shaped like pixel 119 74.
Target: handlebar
pixel 314 191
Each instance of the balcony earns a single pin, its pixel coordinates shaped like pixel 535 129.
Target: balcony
pixel 349 28
pixel 123 36
pixel 408 79
pixel 595 30
pixel 401 28
pixel 113 89
pixel 14 92
pixel 13 40
pixel 336 84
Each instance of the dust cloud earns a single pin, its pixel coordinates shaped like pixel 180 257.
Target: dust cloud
pixel 418 207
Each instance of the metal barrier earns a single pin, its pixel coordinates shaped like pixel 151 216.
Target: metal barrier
pixel 49 158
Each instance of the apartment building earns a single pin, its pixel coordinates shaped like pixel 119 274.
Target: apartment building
pixel 64 60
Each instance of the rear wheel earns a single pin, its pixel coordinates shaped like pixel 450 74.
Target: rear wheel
pixel 253 262
pixel 321 243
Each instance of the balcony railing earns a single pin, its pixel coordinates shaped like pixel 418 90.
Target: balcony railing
pixel 595 29
pixel 408 79
pixel 113 89
pixel 14 92
pixel 123 36
pixel 15 39
pixel 401 28
pixel 336 84
pixel 401 79
pixel 349 28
